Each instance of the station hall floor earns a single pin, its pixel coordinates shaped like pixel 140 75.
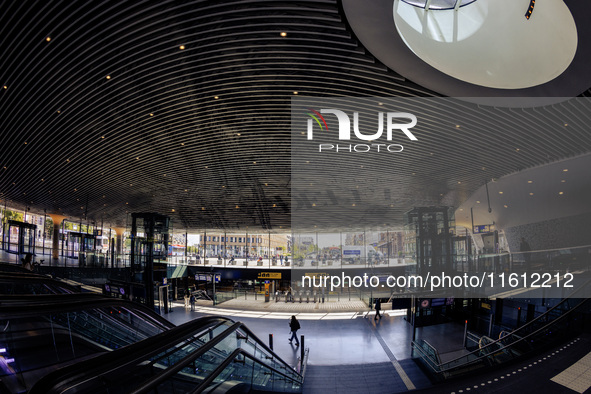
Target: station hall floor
pixel 351 352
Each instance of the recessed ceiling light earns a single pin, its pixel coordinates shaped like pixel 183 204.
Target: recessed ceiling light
pixel 108 77
pixel 283 34
pixel 182 47
pixel 274 205
pixel 562 181
pixel 5 87
pixel 182 144
pixel 295 92
pixel 565 170
pixel 151 114
pixel 477 202
pixel 172 209
pixel 313 204
pixel 457 126
pixel 500 192
pixel 505 206
pixel 530 181
pixel 531 194
pixel 560 192
pixel 47 39
pixel 25 142
pixel 216 97
pixel 516 149
pixel 566 124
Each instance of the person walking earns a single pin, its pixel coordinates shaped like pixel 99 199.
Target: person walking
pixel 378 306
pixel 192 302
pixel 294 326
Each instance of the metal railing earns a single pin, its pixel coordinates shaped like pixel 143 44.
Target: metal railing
pixel 514 344
pixel 439 4
pixel 186 358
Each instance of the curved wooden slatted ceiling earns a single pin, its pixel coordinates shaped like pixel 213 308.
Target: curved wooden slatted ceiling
pixel 118 118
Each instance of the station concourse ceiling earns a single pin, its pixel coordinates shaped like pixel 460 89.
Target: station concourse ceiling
pixel 184 107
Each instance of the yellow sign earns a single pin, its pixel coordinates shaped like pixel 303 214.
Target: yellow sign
pixel 315 274
pixel 269 275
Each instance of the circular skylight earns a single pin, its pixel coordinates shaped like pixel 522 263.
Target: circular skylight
pixel 490 43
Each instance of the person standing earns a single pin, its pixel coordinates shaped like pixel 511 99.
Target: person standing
pixel 378 306
pixel 187 296
pixel 294 326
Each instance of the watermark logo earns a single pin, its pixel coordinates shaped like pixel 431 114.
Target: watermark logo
pixel 315 116
pixel 345 124
pixel 393 124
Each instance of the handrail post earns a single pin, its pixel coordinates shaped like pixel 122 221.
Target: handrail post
pixel 465 333
pixel 302 352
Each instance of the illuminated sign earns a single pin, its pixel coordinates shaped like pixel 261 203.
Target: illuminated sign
pixel 315 274
pixel 269 275
pixel 486 228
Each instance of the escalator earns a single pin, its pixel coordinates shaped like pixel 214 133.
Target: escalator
pixel 210 354
pixel 30 283
pixel 41 333
pixel 557 324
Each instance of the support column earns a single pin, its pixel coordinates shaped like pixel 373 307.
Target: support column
pixel 55 240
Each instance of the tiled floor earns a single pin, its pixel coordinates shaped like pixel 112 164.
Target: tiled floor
pixel 354 352
pixel 577 377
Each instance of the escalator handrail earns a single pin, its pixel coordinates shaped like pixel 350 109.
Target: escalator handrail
pixel 202 350
pixel 510 344
pixel 207 381
pixel 187 359
pixel 7 299
pixel 149 347
pixel 60 303
pixel 108 362
pixel 37 279
pixel 527 325
pixel 72 302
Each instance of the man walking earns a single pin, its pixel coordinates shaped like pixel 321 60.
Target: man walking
pixel 294 326
pixel 378 307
